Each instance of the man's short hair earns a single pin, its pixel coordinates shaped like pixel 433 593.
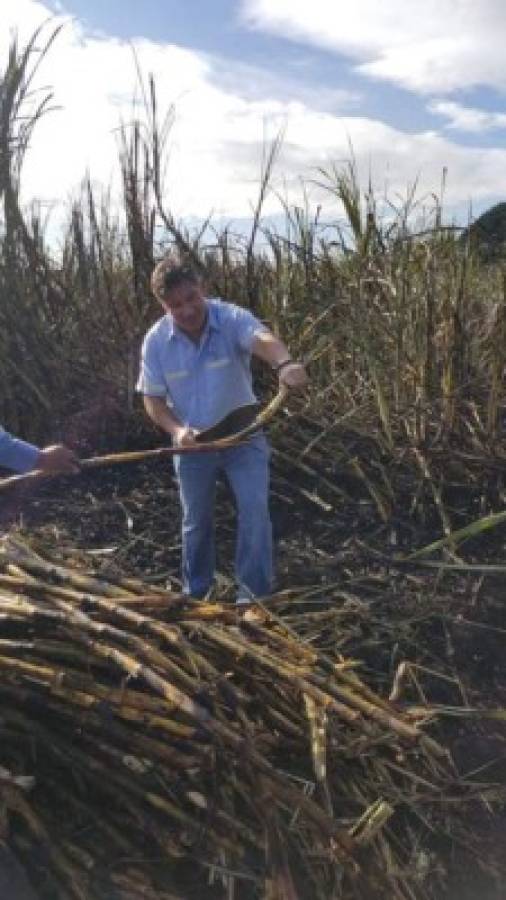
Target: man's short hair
pixel 168 275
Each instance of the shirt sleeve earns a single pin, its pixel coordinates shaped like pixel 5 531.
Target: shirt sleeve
pixel 17 454
pixel 150 381
pixel 246 327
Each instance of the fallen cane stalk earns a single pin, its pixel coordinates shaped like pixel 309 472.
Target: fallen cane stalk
pixel 164 723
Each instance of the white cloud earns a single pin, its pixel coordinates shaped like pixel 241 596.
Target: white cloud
pixel 94 81
pixel 467 118
pixel 253 83
pixel 216 142
pixel 435 45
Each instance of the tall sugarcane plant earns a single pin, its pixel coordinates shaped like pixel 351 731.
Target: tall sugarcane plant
pixel 403 308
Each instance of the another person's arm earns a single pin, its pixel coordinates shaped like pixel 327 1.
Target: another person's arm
pixel 57 458
pixel 20 456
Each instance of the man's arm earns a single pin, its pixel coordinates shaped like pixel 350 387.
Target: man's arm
pixel 17 454
pixel 160 414
pixel 273 351
pixel 152 387
pixel 24 457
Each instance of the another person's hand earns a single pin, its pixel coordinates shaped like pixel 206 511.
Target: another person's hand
pixel 58 458
pixel 184 436
pixel 293 375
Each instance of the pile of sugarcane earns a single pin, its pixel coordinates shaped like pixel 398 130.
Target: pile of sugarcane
pixel 149 743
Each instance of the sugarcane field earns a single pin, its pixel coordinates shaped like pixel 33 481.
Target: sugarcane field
pixel 342 735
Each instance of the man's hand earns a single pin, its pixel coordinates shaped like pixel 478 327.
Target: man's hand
pixel 58 458
pixel 293 375
pixel 184 436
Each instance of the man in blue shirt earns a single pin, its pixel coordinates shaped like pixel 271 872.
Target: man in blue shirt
pixel 195 368
pixel 23 457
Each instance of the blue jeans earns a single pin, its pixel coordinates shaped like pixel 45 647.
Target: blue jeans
pixel 246 469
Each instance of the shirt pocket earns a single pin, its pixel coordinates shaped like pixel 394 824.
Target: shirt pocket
pixel 218 362
pixel 176 375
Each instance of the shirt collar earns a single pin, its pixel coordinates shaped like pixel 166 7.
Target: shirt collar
pixel 213 320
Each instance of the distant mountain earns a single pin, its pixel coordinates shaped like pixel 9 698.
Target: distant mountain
pixel 488 232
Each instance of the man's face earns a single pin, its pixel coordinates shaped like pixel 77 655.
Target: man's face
pixel 186 304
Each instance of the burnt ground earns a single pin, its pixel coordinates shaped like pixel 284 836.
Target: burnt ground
pixel 336 551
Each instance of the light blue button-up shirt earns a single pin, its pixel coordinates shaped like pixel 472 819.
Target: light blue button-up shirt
pixel 16 454
pixel 201 382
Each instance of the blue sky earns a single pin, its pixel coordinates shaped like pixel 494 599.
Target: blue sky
pixel 216 27
pixel 414 87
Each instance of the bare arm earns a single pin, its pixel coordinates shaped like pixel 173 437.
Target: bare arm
pixel 273 351
pixel 160 414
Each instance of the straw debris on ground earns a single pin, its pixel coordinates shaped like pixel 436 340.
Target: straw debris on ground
pixel 133 718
